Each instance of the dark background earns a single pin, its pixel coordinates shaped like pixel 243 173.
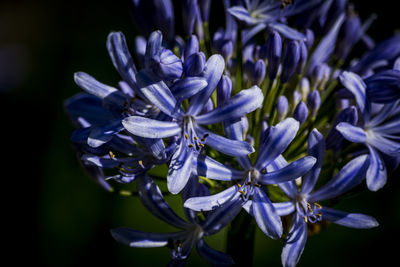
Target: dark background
pixel 53 214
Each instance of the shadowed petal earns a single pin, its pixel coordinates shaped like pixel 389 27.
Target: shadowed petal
pixel 348 177
pixel 140 239
pixel 187 87
pixel 212 73
pixel 376 174
pixel 239 105
pixel 212 256
pixel 265 214
pixel 211 202
pixel 292 171
pixel 353 220
pixel 225 145
pixel 295 243
pixel 286 31
pixel 180 168
pixel 316 148
pixel 352 133
pixel 158 93
pixel 150 128
pixel 153 200
pixel 277 141
pixel 100 135
pixel 356 86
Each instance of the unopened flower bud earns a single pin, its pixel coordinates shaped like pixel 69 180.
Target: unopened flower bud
pixel 226 49
pixel 208 106
pixel 191 46
pixel 274 53
pixel 349 35
pixel 194 64
pixel 189 15
pixel 258 72
pixel 301 112
pixel 314 102
pixel 304 88
pixel 224 89
pixel 290 61
pixel 296 97
pixel 309 38
pixel 303 57
pixel 282 107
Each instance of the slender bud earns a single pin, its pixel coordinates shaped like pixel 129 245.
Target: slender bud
pixel 320 75
pixel 290 61
pixel 140 48
pixel 349 35
pixel 224 89
pixel 191 46
pixel 189 15
pixel 282 107
pixel 274 53
pixel 304 88
pixel 303 57
pixel 208 106
pixel 258 72
pixel 205 9
pixel 226 49
pixel 168 66
pixel 309 38
pixel 296 97
pixel 301 112
pixel 314 102
pixel 194 64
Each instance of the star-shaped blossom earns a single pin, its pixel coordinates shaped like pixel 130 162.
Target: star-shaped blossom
pixel 253 177
pixel 379 129
pixel 190 232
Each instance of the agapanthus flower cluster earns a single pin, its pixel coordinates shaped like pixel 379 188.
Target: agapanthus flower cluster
pixel 267 116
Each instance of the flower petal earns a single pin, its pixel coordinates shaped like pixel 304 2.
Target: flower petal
pixel 353 220
pixel 219 218
pixel 187 87
pixel 356 86
pixel 384 145
pixel 212 256
pixel 286 31
pixel 207 203
pixel 376 173
pixel 212 169
pixel 94 87
pixel 239 105
pixel 153 200
pixel 180 168
pixel 150 128
pixel 352 133
pixel 241 14
pixel 266 216
pixel 316 148
pixel 292 171
pixel 224 145
pixel 284 208
pixel 140 239
pixel 348 177
pixel 158 93
pixel 277 141
pixel 193 189
pixel 213 70
pixel 100 135
pixel 122 59
pixel 295 243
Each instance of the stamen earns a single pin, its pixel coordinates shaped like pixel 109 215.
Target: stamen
pixel 319 214
pixel 141 163
pixel 239 185
pixel 242 192
pixel 309 207
pixel 195 138
pixel 305 219
pixel 186 136
pixel 112 155
pixel 317 205
pixel 190 146
pixel 202 145
pixel 258 185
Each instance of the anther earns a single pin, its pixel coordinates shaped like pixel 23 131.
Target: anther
pixel 317 205
pixel 190 146
pixel 202 145
pixel 242 192
pixel 305 219
pixel 309 207
pixel 258 185
pixel 239 185
pixel 195 138
pixel 248 183
pixel 319 214
pixel 141 163
pixel 186 136
pixel 112 155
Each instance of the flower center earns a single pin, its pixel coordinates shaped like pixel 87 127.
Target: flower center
pixel 311 212
pixel 193 141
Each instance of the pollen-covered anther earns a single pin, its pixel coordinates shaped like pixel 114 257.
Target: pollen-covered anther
pixel 242 192
pixel 305 219
pixel 239 185
pixel 186 136
pixel 140 162
pixel 317 205
pixel 111 154
pixel 258 185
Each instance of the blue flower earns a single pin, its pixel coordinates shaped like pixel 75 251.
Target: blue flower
pixel 191 232
pixel 254 176
pixel 379 129
pixel 304 206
